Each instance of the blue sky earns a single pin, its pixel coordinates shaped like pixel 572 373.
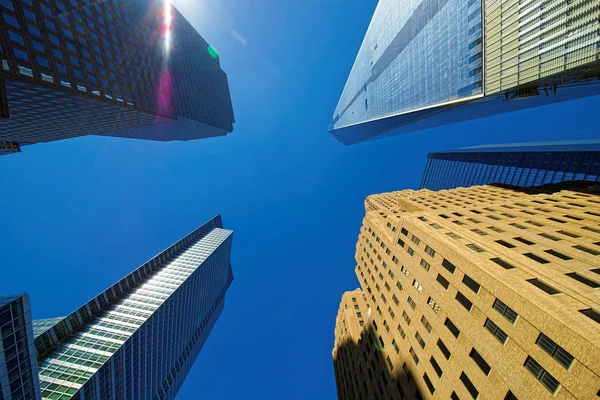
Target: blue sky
pixel 80 214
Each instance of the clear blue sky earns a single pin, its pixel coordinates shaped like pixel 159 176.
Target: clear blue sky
pixel 78 215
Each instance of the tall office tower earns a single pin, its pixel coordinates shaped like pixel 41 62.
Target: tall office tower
pixel 18 366
pixel 426 63
pixel 139 338
pixel 520 164
pixel 134 69
pixel 489 292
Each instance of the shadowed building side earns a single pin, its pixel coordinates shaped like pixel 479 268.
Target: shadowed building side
pixel 519 164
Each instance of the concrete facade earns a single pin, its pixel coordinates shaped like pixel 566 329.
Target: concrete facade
pixel 489 292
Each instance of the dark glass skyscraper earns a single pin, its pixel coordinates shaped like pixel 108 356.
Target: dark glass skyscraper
pixel 139 338
pixel 425 63
pixel 18 367
pixel 520 164
pixel 133 69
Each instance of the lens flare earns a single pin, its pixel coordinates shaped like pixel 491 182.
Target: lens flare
pixel 212 52
pixel 376 345
pixel 167 25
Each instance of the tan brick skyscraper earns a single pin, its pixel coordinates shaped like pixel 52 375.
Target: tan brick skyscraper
pixel 489 292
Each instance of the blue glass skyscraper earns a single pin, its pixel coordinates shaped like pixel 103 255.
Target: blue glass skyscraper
pixel 520 164
pixel 133 69
pixel 427 63
pixel 139 338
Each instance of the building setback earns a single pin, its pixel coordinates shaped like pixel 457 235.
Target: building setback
pixel 519 164
pixel 134 69
pixel 489 292
pixel 427 63
pixel 140 337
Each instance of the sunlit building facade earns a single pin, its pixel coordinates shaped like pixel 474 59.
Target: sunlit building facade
pixel 139 338
pixel 426 63
pixel 520 164
pixel 133 69
pixel 488 292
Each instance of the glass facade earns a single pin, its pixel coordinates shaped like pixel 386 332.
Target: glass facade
pixel 521 164
pixel 424 63
pixel 139 338
pixel 18 366
pixel 416 54
pixel 530 41
pixel 116 68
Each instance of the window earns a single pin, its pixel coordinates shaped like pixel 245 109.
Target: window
pixel 406 317
pixel 395 299
pixel 417 286
pixel 434 306
pixel 547 236
pixel 449 266
pixel 20 54
pixel 410 251
pixel 425 265
pixel 436 367
pixel 411 302
pixel 510 396
pixel 430 251
pixel 442 281
pixel 428 383
pixel 452 328
pixel 542 375
pixel 558 255
pixel 466 303
pixel 570 234
pixel 407 371
pixel 505 244
pixel 443 349
pixel 426 324
pixel 479 232
pixel 536 258
pixel 496 331
pixel 475 248
pixel 420 340
pixel 469 385
pixel 524 241
pixel 471 284
pixel 493 228
pixel 543 286
pixel 502 263
pixel 453 235
pixel 415 239
pixel 404 232
pixel 401 242
pixel 395 346
pixel 401 331
pixel 354 299
pixel 591 313
pixel 454 396
pixel 485 367
pixel 558 353
pixel 583 279
pixel 505 311
pixel 414 355
pixel 404 270
pixel 587 250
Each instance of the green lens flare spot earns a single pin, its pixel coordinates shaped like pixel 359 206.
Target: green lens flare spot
pixel 212 52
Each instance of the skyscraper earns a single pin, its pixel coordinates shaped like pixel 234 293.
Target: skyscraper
pixel 426 63
pixel 18 366
pixel 487 292
pixel 139 338
pixel 133 69
pixel 520 164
